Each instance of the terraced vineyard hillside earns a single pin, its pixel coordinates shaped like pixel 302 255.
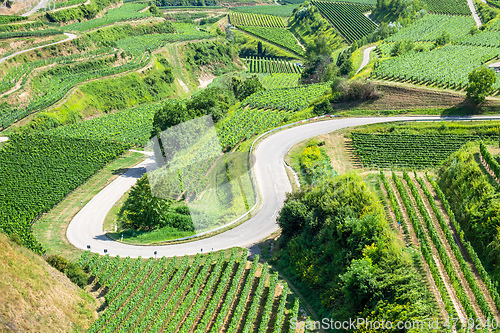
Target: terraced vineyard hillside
pixel 412 150
pixel 257 20
pixel 263 65
pixel 453 7
pixel 348 18
pixel 462 290
pixel 209 295
pixel 448 66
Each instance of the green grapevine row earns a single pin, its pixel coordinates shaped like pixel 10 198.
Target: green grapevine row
pixel 348 18
pixel 38 171
pixel 407 150
pixel 244 123
pixel 279 36
pixel 257 20
pixel 155 309
pixel 240 307
pixel 293 99
pixel 394 204
pixel 424 245
pixel 102 264
pixel 432 26
pixel 22 26
pixel 5 19
pixel 218 294
pixel 166 313
pixel 490 160
pixel 135 292
pixel 193 312
pixel 252 313
pixel 132 126
pixel 484 38
pixel 144 304
pixel 92 262
pixel 122 284
pixel 266 314
pixel 126 12
pixel 469 277
pixel 36 33
pixel 443 255
pixel 490 285
pixel 83 259
pixel 280 316
pixel 268 65
pixel 118 274
pixel 277 81
pixel 453 7
pixel 231 294
pixel 151 42
pixel 115 306
pixel 109 270
pixel 295 312
pixel 447 66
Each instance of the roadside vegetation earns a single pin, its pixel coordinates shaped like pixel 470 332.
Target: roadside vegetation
pixel 412 233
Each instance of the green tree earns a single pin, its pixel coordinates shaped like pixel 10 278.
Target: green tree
pixel 155 11
pixel 319 65
pixel 360 283
pixel 173 113
pixel 401 47
pixel 347 67
pixel 443 39
pixel 481 80
pixel 213 100
pixel 244 88
pixel 142 210
pixel 323 107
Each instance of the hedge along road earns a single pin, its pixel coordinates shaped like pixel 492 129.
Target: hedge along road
pixel 86 228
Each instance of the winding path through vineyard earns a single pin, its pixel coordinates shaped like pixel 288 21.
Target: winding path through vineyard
pixel 366 58
pixel 86 228
pixel 70 37
pixel 474 12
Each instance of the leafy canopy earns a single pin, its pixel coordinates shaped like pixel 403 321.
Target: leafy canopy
pixel 481 80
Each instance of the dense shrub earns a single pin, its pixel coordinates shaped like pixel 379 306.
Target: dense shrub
pixel 70 269
pixel 58 262
pixel 355 90
pixel 338 246
pixel 76 274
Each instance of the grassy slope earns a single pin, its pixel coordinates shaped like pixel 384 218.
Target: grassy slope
pixel 35 297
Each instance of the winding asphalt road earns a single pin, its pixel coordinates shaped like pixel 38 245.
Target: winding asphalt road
pixel 272 181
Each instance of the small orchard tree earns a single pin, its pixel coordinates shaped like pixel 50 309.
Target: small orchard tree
pixel 481 80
